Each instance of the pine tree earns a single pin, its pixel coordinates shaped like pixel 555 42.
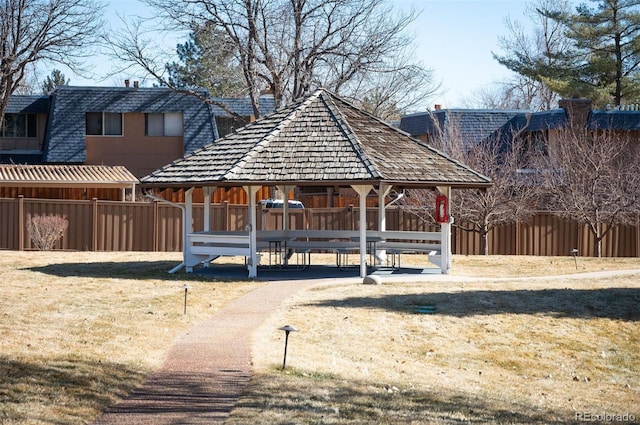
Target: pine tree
pixel 604 62
pixel 207 60
pixel 54 80
pixel 601 59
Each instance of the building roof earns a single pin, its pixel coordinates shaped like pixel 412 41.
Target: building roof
pixel 614 120
pixel 14 175
pixel 318 140
pixel 541 121
pixel 476 126
pixel 28 104
pixel 65 139
pixel 473 125
pixel 243 107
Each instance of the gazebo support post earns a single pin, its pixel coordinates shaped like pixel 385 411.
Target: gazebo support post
pixel 253 240
pixel 285 189
pixel 383 191
pixel 362 191
pixel 207 212
pixel 445 229
pixel 207 208
pixel 188 225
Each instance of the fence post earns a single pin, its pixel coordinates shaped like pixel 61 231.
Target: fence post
pixel 155 226
pixel 638 236
pixel 518 226
pixel 351 217
pixel 94 224
pixel 225 213
pixel 21 223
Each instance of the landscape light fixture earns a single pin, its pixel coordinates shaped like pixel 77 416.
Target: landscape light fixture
pixel 574 252
pixel 287 329
pixel 186 289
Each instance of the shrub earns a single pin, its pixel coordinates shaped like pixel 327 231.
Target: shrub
pixel 45 231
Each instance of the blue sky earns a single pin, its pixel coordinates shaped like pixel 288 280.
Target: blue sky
pixel 455 38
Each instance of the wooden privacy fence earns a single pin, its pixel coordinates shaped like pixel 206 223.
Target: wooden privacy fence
pixel 153 226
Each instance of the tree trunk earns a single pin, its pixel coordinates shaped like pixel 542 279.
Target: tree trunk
pixel 484 241
pixel 598 241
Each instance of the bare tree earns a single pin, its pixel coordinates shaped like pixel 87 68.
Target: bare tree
pixel 500 157
pixel 593 178
pixel 530 54
pixel 388 95
pixel 32 31
pixel 513 93
pixel 295 46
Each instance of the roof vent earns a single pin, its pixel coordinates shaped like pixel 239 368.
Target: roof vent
pixel 136 84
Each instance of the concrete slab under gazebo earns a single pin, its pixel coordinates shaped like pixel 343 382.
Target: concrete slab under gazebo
pixel 321 140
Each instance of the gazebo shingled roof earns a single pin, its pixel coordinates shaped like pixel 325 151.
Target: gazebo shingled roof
pixel 320 140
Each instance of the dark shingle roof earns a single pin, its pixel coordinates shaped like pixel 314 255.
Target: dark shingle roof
pixel 321 139
pixel 614 120
pixel 66 126
pixel 555 118
pixel 243 107
pixel 474 125
pixel 19 104
pixel 477 126
pixel 423 122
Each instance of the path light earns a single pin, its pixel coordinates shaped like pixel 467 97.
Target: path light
pixel 574 252
pixel 186 289
pixel 287 329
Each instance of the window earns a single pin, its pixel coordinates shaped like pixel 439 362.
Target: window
pixel 168 124
pixel 112 124
pixel 154 125
pixel 20 125
pixel 103 124
pixel 94 123
pixel 173 124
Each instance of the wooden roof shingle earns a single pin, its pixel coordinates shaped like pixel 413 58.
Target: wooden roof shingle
pixel 318 140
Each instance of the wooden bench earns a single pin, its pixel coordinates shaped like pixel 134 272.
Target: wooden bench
pixel 204 247
pixel 396 243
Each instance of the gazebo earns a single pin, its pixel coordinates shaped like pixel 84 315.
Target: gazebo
pixel 321 140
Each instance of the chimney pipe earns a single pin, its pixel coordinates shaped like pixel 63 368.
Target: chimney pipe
pixel 437 106
pixel 136 84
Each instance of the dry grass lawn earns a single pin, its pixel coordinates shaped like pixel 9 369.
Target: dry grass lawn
pixel 81 330
pixel 501 350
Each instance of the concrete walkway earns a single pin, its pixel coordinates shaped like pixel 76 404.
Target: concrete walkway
pixel 208 366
